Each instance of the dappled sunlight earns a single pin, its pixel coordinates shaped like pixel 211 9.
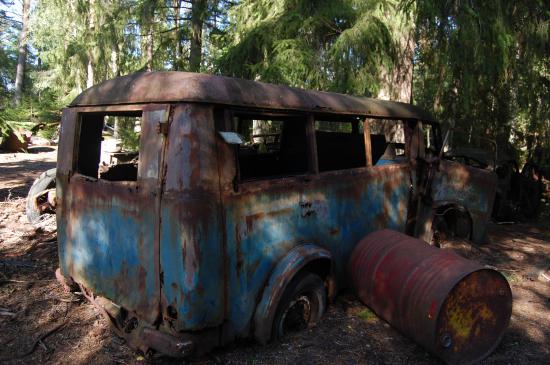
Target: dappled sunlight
pixel 19 170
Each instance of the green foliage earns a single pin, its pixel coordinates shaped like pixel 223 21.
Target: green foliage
pixel 367 315
pixel 483 64
pixel 336 45
pixel 15 120
pixel 8 53
pixel 128 134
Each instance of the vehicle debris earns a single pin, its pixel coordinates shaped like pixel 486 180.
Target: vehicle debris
pixel 228 212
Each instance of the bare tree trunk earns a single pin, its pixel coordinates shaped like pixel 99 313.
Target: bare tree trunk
pixel 91 26
pixel 198 15
pixel 22 57
pixel 74 32
pixel 149 21
pixel 114 60
pixel 116 72
pixel 178 54
pixel 397 84
pixel 149 49
pixel 89 72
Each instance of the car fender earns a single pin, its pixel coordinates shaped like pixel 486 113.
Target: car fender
pixel 283 272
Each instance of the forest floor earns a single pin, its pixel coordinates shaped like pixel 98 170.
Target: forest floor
pixel 40 323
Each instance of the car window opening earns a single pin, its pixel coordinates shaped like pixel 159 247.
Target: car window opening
pixel 274 147
pixel 340 144
pixel 108 146
pixel 387 141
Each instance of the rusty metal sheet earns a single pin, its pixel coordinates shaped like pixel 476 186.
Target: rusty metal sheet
pixel 470 187
pixel 163 87
pixel 109 231
pixel 107 241
pixel 455 308
pixel 333 210
pixel 192 257
pixel 186 243
pixel 67 135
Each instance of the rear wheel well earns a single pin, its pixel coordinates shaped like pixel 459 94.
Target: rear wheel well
pixel 303 260
pixel 453 220
pixel 320 267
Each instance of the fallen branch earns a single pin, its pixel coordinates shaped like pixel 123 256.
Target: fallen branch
pixel 25 281
pixel 42 337
pixel 509 270
pixel 36 343
pixel 6 313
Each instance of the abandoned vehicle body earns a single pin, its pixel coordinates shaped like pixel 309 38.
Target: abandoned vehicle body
pixel 236 210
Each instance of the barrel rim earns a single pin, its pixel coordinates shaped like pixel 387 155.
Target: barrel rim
pixel 501 335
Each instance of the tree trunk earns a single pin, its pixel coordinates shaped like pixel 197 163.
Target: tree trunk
pixel 91 26
pixel 89 71
pixel 22 57
pixel 149 49
pixel 149 21
pixel 114 60
pixel 115 50
pixel 178 53
pixel 198 15
pixel 397 83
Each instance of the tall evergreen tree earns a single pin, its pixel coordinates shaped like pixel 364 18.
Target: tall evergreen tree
pixel 337 45
pixel 22 52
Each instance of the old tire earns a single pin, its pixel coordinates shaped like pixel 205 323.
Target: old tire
pixel 303 303
pixel 45 181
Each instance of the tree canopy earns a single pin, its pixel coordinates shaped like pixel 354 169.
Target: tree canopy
pixel 482 65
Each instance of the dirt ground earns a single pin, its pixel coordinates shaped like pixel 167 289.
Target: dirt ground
pixel 39 323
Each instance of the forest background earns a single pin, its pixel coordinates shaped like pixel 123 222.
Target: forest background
pixel 482 65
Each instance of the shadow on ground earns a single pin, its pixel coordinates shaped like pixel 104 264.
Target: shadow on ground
pixel 18 176
pixel 348 333
pixel 39 323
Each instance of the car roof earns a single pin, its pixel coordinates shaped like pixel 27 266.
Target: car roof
pixel 171 86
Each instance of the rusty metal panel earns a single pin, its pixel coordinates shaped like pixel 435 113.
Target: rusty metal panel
pixel 108 240
pixel 470 187
pixel 453 307
pixel 163 87
pixel 108 234
pixel 67 134
pixel 151 146
pixel 333 210
pixel 192 256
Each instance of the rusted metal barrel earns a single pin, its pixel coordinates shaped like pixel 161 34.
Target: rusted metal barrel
pixel 454 307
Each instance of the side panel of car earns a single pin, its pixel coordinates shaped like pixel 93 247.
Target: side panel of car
pixel 468 187
pixel 192 253
pixel 266 219
pixel 190 239
pixel 108 230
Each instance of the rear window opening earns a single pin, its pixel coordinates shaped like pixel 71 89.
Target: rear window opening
pixel 274 146
pixel 387 141
pixel 340 144
pixel 108 146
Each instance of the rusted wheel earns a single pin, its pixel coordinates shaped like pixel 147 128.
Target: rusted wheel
pixel 451 222
pixel 302 304
pixel 44 182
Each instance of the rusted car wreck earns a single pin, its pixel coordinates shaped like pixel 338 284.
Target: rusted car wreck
pixel 238 213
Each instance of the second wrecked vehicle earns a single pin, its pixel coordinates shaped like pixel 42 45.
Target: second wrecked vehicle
pixel 237 212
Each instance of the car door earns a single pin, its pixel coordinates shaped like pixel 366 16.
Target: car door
pixel 109 230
